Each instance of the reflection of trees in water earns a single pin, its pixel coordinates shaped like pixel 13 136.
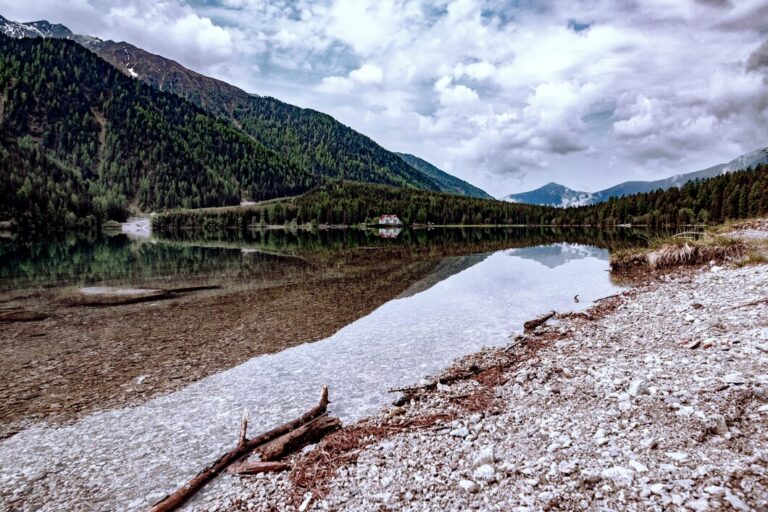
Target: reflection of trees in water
pixel 267 254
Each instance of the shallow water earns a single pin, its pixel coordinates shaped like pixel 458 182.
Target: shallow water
pixel 131 457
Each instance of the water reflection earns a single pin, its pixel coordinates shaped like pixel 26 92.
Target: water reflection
pixel 78 259
pixel 389 232
pixel 461 304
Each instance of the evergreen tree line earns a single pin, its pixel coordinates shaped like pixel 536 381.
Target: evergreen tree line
pixel 729 196
pixel 81 142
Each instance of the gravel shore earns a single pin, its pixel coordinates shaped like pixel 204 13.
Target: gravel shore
pixel 653 400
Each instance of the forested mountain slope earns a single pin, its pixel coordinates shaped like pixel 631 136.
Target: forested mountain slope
pixel 314 141
pixel 117 141
pixel 447 182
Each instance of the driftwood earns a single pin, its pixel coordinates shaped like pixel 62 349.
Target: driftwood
pixel 750 304
pixel 532 324
pixel 298 438
pixel 22 316
pixel 257 466
pixel 244 447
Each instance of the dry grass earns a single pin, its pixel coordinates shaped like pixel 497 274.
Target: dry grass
pixel 753 258
pixel 674 252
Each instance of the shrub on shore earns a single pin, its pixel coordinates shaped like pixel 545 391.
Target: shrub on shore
pixel 672 252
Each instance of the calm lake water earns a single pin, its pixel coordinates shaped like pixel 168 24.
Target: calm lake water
pixel 465 289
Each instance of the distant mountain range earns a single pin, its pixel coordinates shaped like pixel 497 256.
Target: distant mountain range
pixel 553 194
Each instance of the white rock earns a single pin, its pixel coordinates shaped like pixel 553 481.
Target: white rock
pixel 460 432
pixel 657 489
pixel 736 502
pixel 486 456
pixel 305 503
pixel 638 466
pixel 677 456
pixel 468 486
pixel 619 475
pixel 566 467
pixel 734 378
pixel 638 387
pixel 699 505
pixel 485 473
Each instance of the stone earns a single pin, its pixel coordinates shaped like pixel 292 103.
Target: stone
pixel 638 387
pixel 468 486
pixel 485 473
pixel 638 466
pixel 485 456
pixel 734 378
pixel 566 467
pixel 460 432
pixel 698 505
pixel 677 456
pixel 736 502
pixel 619 475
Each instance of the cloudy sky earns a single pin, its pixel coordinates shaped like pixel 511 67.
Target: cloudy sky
pixel 507 94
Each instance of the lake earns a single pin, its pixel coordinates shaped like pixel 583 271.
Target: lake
pixel 129 399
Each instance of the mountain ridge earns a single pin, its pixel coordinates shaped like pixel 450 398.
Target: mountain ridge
pixel 448 182
pixel 312 140
pixel 551 195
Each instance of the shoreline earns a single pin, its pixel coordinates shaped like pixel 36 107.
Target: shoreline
pixel 656 398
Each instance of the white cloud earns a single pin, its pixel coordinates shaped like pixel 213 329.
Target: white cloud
pixel 509 95
pixel 367 74
pixel 172 29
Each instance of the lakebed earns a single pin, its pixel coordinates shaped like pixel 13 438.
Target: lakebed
pixel 131 399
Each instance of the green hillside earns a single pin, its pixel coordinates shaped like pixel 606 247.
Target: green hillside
pixel 448 183
pixel 118 142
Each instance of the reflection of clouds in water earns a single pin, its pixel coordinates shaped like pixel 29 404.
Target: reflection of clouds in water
pixel 168 439
pixel 559 254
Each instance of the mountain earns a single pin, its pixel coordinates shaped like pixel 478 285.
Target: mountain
pixel 34 29
pixel 551 194
pixel 448 183
pixel 310 140
pixel 745 161
pixel 81 141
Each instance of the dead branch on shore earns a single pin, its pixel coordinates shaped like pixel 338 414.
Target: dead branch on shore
pixel 22 316
pixel 257 466
pixel 243 448
pixel 302 436
pixel 532 324
pixel 750 304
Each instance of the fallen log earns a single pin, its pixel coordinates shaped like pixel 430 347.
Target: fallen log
pixel 244 447
pixel 532 324
pixel 257 466
pixel 298 438
pixel 22 316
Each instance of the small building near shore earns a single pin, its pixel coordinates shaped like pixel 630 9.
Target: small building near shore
pixel 389 220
